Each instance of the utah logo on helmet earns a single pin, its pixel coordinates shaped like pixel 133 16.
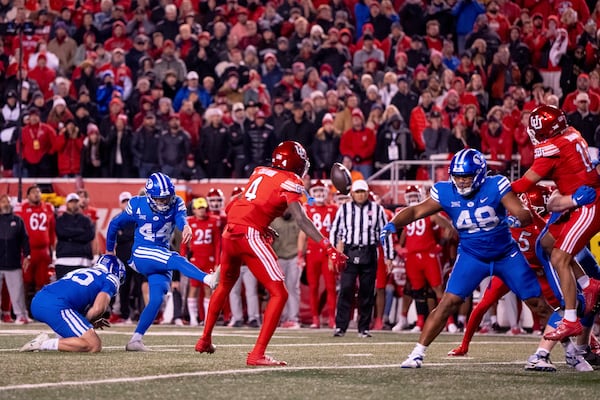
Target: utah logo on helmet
pixel 291 156
pixel 546 121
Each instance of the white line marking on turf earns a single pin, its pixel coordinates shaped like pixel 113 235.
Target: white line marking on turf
pixel 358 355
pixel 231 372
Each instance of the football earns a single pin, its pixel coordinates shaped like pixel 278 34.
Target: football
pixel 341 178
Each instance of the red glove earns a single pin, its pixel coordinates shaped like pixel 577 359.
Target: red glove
pixel 337 258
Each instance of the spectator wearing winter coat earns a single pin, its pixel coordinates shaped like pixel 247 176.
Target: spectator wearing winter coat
pixel 359 143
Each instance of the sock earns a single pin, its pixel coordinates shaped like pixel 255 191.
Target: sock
pixel 206 303
pixel 583 281
pixel 419 349
pixel 581 348
pixel 192 304
pixel 570 315
pixel 136 336
pixel 462 319
pixel 50 344
pixel 542 352
pixel 494 319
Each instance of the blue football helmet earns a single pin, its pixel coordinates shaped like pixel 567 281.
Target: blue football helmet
pixel 111 265
pixel 160 192
pixel 468 162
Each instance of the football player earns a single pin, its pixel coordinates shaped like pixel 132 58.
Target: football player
pixel 423 267
pixel 269 193
pixel 477 204
pixel 312 256
pixel 561 154
pixel 156 215
pixel 216 205
pixel 40 225
pixel 73 307
pixel 203 251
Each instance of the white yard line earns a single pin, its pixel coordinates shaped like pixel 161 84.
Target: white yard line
pixel 245 371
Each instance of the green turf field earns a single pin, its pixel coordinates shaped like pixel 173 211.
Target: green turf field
pixel 320 367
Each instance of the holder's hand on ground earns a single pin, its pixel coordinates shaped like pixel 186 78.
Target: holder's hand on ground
pixel 101 323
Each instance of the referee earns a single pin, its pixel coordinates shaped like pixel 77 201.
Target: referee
pixel 355 229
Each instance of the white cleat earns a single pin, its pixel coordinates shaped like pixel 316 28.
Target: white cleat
pixel 452 328
pixel 578 362
pixel 401 325
pixel 212 280
pixel 539 362
pixel 413 361
pixel 416 329
pixel 136 345
pixel 35 344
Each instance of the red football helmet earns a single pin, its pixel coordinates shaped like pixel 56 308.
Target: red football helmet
pixel 413 195
pixel 536 198
pixel 339 198
pixel 545 122
pixel 236 190
pixel 291 156
pixel 319 192
pixel 216 199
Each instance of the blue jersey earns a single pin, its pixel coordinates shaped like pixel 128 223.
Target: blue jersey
pixel 78 289
pixel 480 219
pixel 154 229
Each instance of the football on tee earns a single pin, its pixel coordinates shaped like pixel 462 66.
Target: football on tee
pixel 341 178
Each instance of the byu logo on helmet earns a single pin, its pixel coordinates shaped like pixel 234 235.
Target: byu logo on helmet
pixel 160 192
pixel 111 265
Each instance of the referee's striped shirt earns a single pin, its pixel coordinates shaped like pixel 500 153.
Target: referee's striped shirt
pixel 357 225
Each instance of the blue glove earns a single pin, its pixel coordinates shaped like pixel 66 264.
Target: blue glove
pixel 388 229
pixel 309 199
pixel 513 222
pixel 584 195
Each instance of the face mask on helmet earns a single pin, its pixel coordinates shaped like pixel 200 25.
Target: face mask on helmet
pixel 319 192
pixel 536 199
pixel 111 265
pixel 412 195
pixel 216 199
pixel 467 170
pixel 160 192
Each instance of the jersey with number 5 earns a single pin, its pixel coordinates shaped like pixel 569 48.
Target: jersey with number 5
pixel 565 160
pixel 79 288
pixel 153 229
pixel 322 216
pixel 480 219
pixel 265 197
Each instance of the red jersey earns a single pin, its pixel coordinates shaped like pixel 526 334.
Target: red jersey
pixel 265 197
pixel 91 213
pixel 421 236
pixel 322 216
pixel 565 160
pixel 205 243
pixel 39 223
pixel 526 238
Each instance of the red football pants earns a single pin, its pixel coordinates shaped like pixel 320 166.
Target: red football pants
pixel 317 263
pixel 245 245
pixel 37 273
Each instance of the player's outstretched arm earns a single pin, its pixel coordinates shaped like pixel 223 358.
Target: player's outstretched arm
pixel 582 196
pixel 412 213
pixel 304 223
pixel 526 182
pixel 517 210
pixel 115 224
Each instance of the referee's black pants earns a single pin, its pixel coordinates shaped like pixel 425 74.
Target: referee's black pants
pixel 366 274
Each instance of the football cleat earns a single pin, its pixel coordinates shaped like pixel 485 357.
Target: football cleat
pixel 578 362
pixel 136 345
pixel 205 347
pixel 413 361
pixel 590 294
pixel 539 362
pixel 364 334
pixel 416 329
pixel 35 344
pixel 22 320
pixel 564 330
pixel 458 351
pixel 401 325
pixel 316 323
pixel 452 328
pixel 212 280
pixel 290 325
pixel 264 361
pixel 339 332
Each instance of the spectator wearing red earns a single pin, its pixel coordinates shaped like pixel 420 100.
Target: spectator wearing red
pixel 43 75
pixel 512 114
pixel 543 8
pixel 359 143
pixel 255 10
pixel 419 117
pixel 451 108
pixel 432 35
pixel 59 114
pixel 510 9
pixel 497 21
pixel 121 72
pixel 497 141
pixel 240 28
pixel 579 6
pixel 256 91
pixel 68 144
pixel 191 122
pixel 119 38
pixel 37 147
pixel 525 148
pixel 537 38
pixel 583 86
pixel 502 74
pixel 397 42
pixel 569 21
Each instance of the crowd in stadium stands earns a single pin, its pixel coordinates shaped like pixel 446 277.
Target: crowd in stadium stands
pixel 123 88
